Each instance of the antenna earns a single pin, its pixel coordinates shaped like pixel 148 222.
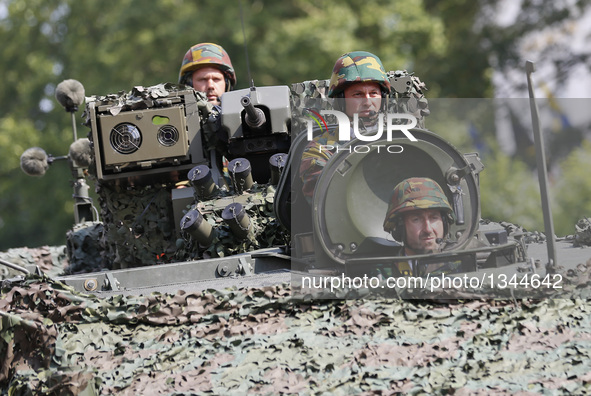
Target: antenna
pixel 541 165
pixel 245 47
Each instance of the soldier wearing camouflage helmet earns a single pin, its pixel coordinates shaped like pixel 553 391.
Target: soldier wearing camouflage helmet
pixel 359 85
pixel 419 216
pixel 360 78
pixel 207 68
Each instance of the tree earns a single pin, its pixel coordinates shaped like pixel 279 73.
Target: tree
pixel 111 47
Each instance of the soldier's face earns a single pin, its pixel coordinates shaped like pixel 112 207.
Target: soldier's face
pixel 423 228
pixel 363 98
pixel 211 81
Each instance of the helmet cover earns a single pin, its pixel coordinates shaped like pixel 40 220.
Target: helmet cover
pixel 412 194
pixel 206 54
pixel 357 66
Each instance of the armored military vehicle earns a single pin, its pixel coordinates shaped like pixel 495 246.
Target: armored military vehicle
pixel 195 196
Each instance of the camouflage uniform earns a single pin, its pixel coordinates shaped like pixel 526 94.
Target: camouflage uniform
pixel 213 55
pixel 350 68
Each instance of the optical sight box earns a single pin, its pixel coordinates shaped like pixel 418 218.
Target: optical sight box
pixel 143 137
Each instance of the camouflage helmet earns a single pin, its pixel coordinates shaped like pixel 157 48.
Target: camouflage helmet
pixel 207 54
pixel 415 193
pixel 358 66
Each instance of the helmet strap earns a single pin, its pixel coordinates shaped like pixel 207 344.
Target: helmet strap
pixel 187 79
pixel 398 232
pixel 339 103
pixel 384 104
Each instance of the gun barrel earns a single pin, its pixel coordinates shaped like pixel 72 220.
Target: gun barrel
pixel 255 118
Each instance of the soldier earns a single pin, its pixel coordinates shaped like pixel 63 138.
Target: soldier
pixel 419 215
pixel 207 68
pixel 359 78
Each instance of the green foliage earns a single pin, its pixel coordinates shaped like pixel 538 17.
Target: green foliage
pixel 463 69
pixel 572 190
pixel 305 45
pixel 509 192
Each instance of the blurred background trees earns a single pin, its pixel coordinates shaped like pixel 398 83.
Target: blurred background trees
pixel 455 46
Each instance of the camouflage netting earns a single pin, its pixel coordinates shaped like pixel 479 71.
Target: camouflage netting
pixel 138 229
pixel 264 230
pixel 583 232
pixel 139 225
pixel 266 341
pixel 51 260
pixel 85 244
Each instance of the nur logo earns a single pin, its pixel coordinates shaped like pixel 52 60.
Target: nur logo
pixel 345 125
